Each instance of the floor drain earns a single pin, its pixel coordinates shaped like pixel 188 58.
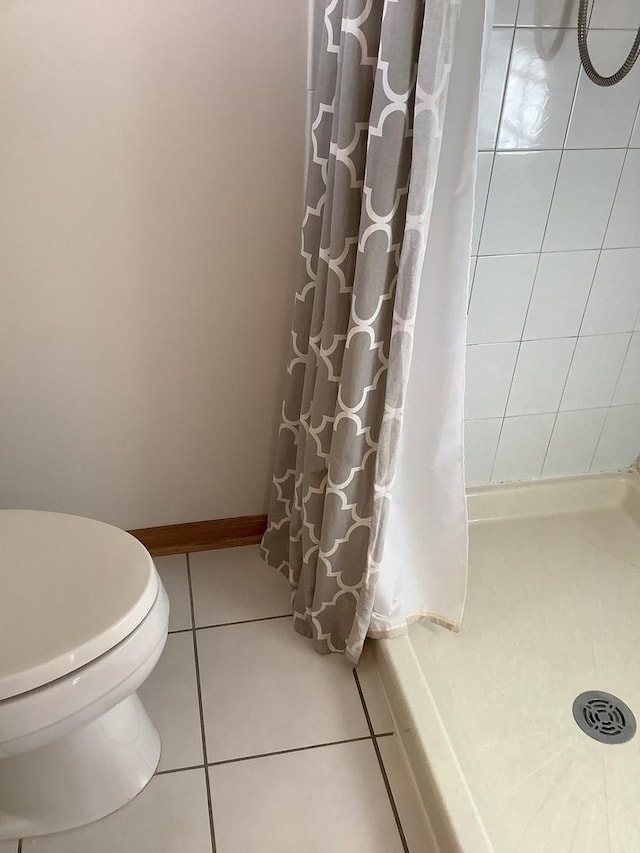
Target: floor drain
pixel 604 717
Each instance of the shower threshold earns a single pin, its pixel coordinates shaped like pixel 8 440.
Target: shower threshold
pixel 486 716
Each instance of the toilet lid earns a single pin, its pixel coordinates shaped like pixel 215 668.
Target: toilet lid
pixel 71 588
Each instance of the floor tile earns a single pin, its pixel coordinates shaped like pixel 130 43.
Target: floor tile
pixel 170 696
pixel 235 585
pixel 318 800
pixel 170 815
pixel 173 571
pixel 373 692
pixel 8 846
pixel 265 689
pixel 415 824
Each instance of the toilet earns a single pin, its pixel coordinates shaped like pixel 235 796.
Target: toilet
pixel 83 621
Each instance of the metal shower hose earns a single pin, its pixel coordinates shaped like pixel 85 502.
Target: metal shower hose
pixel 592 74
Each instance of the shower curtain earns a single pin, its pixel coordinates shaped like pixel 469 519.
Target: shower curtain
pixel 367 515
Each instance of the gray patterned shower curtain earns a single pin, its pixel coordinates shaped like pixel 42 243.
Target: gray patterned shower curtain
pixel 375 141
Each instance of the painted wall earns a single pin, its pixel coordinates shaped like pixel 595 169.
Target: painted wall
pixel 553 384
pixel 151 166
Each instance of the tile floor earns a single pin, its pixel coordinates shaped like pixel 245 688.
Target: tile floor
pixel 267 746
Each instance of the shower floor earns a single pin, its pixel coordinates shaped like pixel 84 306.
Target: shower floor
pixel 553 610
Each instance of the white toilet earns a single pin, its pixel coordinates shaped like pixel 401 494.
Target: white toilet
pixel 83 620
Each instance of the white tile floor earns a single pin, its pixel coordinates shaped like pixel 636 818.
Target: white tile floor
pixel 266 746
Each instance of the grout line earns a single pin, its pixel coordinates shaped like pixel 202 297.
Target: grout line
pixel 180 769
pixel 557 412
pixel 243 622
pixel 560 251
pixel 202 731
pixel 535 275
pixel 599 439
pixel 554 148
pixel 553 338
pixel 547 412
pixel 493 150
pixel 503 94
pixel 503 416
pixel 19 850
pixel 486 202
pixel 586 305
pixel 383 769
pixel 224 761
pixel 227 624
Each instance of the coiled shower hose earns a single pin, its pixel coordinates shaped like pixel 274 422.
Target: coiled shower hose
pixel 591 72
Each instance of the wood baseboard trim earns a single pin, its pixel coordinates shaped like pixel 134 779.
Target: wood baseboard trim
pixel 202 535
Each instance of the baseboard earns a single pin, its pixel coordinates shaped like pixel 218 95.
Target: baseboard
pixel 202 535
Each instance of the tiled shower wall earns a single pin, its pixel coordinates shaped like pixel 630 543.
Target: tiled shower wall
pixel 553 357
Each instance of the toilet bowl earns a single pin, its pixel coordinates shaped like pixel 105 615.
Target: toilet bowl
pixel 83 621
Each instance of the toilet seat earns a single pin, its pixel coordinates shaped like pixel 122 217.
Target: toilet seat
pixel 71 589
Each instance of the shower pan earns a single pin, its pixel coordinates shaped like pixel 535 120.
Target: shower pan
pixel 520 730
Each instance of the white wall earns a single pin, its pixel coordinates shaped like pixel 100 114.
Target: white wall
pixel 151 176
pixel 553 381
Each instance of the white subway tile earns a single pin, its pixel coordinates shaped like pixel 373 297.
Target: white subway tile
pixel 489 373
pixel 505 13
pixel 518 204
pixel 594 371
pixel 548 13
pixel 473 260
pixel 582 200
pixel 542 79
pixel 501 291
pixel 483 174
pixel 628 387
pixel 480 442
pixel 610 14
pixel 573 442
pixel 614 300
pixel 624 227
pixel 495 74
pixel 560 294
pixel 540 374
pixel 603 117
pixel 522 448
pixel 620 441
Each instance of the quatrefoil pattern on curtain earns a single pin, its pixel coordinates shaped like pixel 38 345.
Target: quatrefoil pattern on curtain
pixel 375 136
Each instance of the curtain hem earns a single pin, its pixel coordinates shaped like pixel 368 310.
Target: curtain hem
pixel 403 628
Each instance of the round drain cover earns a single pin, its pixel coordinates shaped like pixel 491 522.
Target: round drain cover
pixel 604 717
